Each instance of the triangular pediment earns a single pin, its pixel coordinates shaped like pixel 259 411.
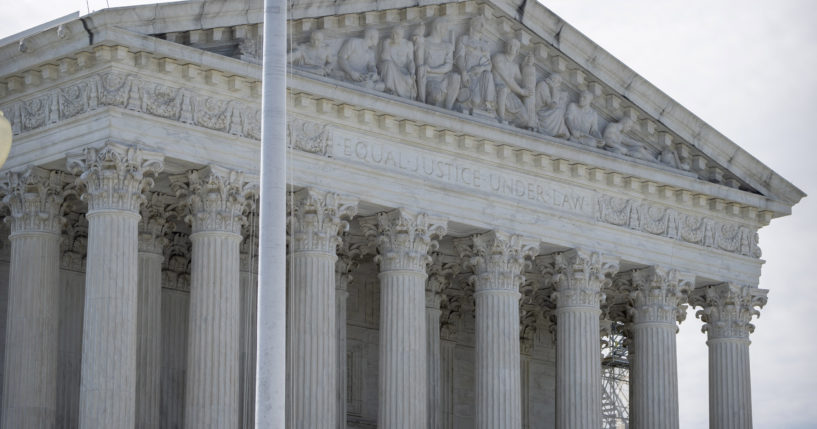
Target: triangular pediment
pixel 537 89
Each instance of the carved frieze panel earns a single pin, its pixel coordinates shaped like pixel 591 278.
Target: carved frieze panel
pixel 128 91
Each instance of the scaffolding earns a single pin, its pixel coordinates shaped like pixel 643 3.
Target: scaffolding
pixel 615 380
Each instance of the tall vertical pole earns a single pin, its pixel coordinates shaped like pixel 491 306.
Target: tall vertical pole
pixel 271 360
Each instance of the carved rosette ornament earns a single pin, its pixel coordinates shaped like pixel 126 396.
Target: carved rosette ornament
pixel 659 294
pixel 727 309
pixel 316 218
pixel 34 197
pixel 115 175
pixel 580 276
pixel 404 238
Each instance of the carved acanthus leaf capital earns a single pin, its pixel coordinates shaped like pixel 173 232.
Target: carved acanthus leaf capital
pixel 154 223
pixel 216 198
pixel 579 276
pixel 404 238
pixel 439 279
pixel 34 197
pixel 351 249
pixel 316 218
pixel 727 309
pixel 659 294
pixel 115 176
pixel 498 259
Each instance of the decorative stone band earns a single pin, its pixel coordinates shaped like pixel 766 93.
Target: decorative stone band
pixel 727 309
pixel 579 276
pixel 34 196
pixel 659 294
pixel 404 238
pixel 316 218
pixel 216 198
pixel 115 176
pixel 497 258
pixel 117 89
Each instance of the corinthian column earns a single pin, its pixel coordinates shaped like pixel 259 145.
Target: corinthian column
pixel 657 302
pixel 114 180
pixel 403 241
pixel 30 375
pixel 149 312
pixel 578 279
pixel 315 221
pixel 498 260
pixel 217 199
pixel 727 312
pixel 346 263
pixel 438 281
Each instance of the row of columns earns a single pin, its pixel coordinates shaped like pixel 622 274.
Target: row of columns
pixel 409 373
pixel 122 311
pixel 121 335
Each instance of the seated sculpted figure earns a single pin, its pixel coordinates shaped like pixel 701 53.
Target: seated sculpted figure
pixel 437 83
pixel 314 57
pixel 615 140
pixel 669 156
pixel 473 60
pixel 508 89
pixel 583 122
pixel 356 60
pixel 397 64
pixel 551 105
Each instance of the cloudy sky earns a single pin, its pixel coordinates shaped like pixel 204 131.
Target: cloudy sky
pixel 748 69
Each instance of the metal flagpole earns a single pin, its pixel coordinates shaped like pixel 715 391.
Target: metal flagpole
pixel 271 355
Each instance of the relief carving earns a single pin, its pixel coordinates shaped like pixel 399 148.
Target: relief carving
pixel 396 64
pixel 473 59
pixel 309 136
pixel 583 122
pixel 509 88
pixel 315 57
pixel 437 82
pixel 616 141
pixel 357 63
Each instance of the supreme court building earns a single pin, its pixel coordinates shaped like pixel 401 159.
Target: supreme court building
pixel 479 195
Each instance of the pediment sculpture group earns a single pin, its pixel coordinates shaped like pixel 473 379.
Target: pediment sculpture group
pixel 467 77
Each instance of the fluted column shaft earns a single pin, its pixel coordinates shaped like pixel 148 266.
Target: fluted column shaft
pixel 216 198
pixel 341 296
pixel 30 375
pixel 657 303
pixel 149 337
pixel 498 260
pixel 578 281
pixel 433 369
pixel 149 314
pixel 447 384
pixel 114 180
pixel 727 312
pixel 315 224
pixel 403 240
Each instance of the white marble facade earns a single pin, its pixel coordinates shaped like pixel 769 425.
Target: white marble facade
pixel 477 191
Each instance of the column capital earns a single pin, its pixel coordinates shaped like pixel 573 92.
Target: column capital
pixel 216 197
pixel 349 252
pixel 579 276
pixel 153 225
pixel 439 279
pixel 316 217
pixel 404 238
pixel 497 258
pixel 659 294
pixel 727 309
pixel 34 197
pixel 115 175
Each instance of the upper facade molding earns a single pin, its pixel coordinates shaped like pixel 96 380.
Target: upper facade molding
pixel 555 46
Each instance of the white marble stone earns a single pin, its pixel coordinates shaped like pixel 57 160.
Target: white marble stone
pixel 34 197
pixel 403 240
pixel 114 178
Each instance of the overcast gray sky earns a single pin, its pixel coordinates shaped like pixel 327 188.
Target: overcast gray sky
pixel 748 69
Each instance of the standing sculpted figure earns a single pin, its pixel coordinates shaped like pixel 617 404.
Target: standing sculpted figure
pixel 615 140
pixel 473 59
pixel 583 121
pixel 529 83
pixel 356 60
pixel 437 83
pixel 397 64
pixel 551 102
pixel 509 91
pixel 314 57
